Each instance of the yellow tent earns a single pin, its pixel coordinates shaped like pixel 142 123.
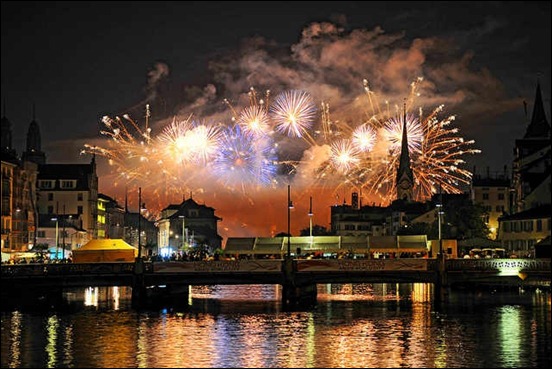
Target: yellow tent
pixel 106 250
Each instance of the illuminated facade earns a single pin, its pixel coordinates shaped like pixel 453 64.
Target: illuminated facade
pixel 494 195
pixel 188 225
pixel 70 189
pixel 18 197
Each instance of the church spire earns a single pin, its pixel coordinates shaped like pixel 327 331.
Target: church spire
pixel 34 148
pixel 6 134
pixel 538 127
pixel 405 177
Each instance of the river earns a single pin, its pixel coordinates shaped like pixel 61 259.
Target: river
pixel 352 325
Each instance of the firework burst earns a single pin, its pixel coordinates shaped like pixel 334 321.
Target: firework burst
pixel 253 149
pixel 293 112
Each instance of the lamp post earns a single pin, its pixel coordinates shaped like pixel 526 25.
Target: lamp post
pixel 139 221
pixel 57 235
pixel 439 214
pixel 63 232
pixel 310 219
pixel 184 240
pixel 290 206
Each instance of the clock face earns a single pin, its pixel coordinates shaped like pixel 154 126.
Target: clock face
pixel 404 184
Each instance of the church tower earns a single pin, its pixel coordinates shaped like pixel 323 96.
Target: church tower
pixel 34 150
pixel 531 166
pixel 405 177
pixel 7 149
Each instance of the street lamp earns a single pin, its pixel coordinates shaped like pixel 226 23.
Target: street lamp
pixel 439 215
pixel 139 221
pixel 310 219
pixel 184 240
pixel 290 206
pixel 57 235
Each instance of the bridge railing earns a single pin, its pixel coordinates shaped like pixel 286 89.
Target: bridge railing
pixel 21 270
pixel 366 265
pixel 457 265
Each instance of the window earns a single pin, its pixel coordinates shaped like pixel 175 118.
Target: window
pixel 50 209
pixel 528 226
pixel 41 234
pixel 68 184
pixel 485 196
pixel 501 196
pixel 50 196
pixel 79 209
pixel 79 196
pixel 539 225
pixel 46 184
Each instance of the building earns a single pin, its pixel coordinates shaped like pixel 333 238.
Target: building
pixel 19 216
pixel 70 189
pixel 519 232
pixel 113 224
pixel 529 219
pixel 352 220
pixel 493 193
pixel 405 177
pixel 532 161
pixel 33 150
pixel 188 225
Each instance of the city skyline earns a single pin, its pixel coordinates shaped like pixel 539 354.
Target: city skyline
pixel 482 70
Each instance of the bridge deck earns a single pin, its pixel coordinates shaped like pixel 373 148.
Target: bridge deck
pixel 316 271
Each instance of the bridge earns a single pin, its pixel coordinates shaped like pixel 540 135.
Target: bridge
pixel 297 276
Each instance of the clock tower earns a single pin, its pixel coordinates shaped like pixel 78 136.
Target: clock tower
pixel 405 177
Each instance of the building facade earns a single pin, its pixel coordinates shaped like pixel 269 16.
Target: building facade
pixel 187 226
pixel 493 193
pixel 70 189
pixel 519 232
pixel 531 182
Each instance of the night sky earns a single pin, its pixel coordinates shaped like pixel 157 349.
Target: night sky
pixel 79 61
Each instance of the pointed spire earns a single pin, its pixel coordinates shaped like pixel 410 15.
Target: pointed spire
pixel 538 127
pixel 404 173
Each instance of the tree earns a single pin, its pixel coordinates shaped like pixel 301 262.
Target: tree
pixel 282 234
pixel 317 230
pixel 465 220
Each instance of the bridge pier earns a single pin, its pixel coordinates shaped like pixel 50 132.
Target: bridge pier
pixel 441 286
pixel 138 287
pixel 296 296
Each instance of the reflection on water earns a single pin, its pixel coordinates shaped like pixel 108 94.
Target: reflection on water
pixel 353 325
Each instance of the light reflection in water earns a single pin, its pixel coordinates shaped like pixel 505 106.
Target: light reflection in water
pixel 91 296
pixel 353 325
pixel 510 330
pixel 15 341
pixel 51 346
